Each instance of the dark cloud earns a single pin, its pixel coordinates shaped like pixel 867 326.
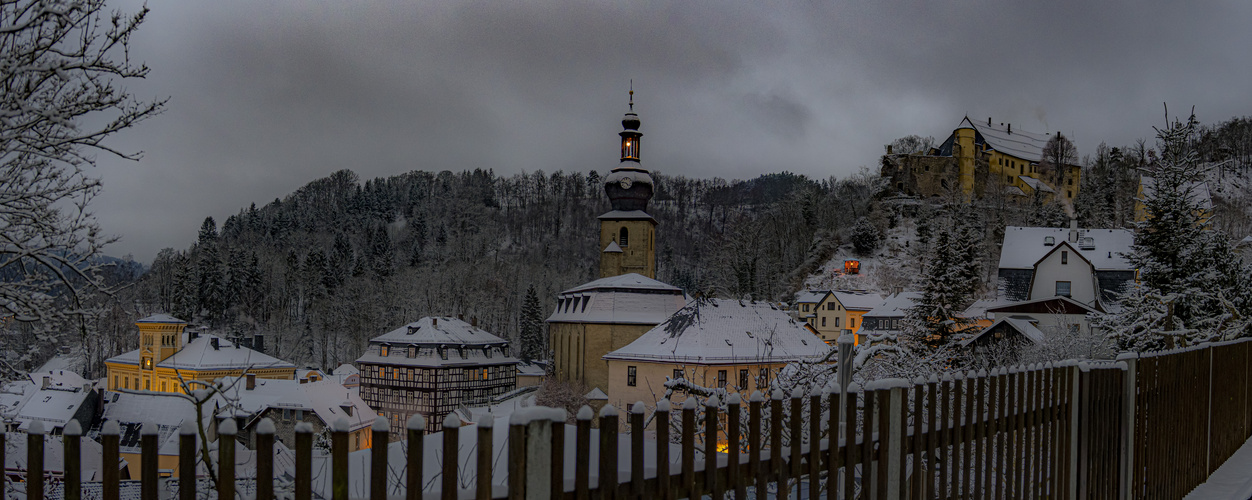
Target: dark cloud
pixel 267 96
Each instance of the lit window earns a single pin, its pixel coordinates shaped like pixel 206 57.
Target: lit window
pixel 383 350
pixel 632 376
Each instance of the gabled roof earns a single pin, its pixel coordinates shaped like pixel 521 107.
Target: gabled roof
pixel 858 300
pixel 811 296
pixel 723 331
pixel 1048 305
pixel 1024 246
pixel 613 248
pixel 325 398
pixel 626 299
pixel 894 306
pixel 1018 143
pixel 1024 326
pixel 1035 184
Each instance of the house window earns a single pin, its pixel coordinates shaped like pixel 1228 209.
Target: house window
pixel 1064 257
pixel 678 373
pixel 830 306
pixel 823 322
pixel 743 379
pixel 763 378
pixel 412 352
pixel 127 383
pixel 1069 194
pixel 851 322
pixel 163 386
pixel 1070 181
pixel 1008 179
pixel 806 307
pixel 836 322
pixel 147 363
pixel 147 385
pixel 115 384
pixel 384 350
pixel 623 237
pixel 721 379
pixel 631 376
pixel 1062 288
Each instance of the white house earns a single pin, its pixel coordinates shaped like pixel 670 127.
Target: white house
pixel 1087 265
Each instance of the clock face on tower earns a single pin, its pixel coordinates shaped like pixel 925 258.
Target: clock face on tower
pixel 625 183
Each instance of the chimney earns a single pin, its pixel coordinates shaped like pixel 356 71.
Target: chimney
pixel 47 381
pixel 1073 230
pixel 251 382
pixel 434 322
pixel 474 321
pixel 460 317
pixel 988 121
pixel 213 342
pixel 888 149
pixel 899 290
pixel 192 334
pixel 258 342
pixel 1010 128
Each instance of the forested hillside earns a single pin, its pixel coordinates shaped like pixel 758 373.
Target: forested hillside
pixel 322 270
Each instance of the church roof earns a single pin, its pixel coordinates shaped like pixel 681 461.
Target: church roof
pixel 628 299
pixel 724 331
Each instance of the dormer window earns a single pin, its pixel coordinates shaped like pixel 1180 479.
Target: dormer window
pixel 384 350
pixel 1049 241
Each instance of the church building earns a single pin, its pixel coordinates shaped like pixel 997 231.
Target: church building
pixel 596 318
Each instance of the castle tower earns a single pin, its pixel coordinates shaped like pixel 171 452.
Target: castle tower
pixel 964 151
pixel 628 233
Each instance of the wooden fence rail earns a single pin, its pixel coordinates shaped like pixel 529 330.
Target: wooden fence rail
pixel 1151 426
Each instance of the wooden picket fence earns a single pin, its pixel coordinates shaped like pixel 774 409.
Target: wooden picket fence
pixel 1140 427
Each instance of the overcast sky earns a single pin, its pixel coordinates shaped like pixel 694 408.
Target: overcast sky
pixel 267 96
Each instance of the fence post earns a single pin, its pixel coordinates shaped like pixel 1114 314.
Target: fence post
pixel 796 440
pixel 556 425
pixel 148 435
pixel 226 458
pixel 110 435
pixel 815 443
pixel 636 448
pixel 304 461
pixel 845 343
pixel 734 407
pixel 662 449
pixel 416 429
pixel 711 406
pixel 265 459
pixel 755 400
pixel 689 448
pixel 582 448
pixel 379 437
pixel 608 484
pixel 775 443
pixel 832 435
pixel 482 474
pixel 530 453
pixel 894 468
pixel 3 445
pixel 187 460
pixel 451 457
pixel 34 461
pixel 1128 421
pixel 71 435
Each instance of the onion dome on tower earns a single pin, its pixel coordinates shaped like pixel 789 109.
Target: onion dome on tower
pixel 629 186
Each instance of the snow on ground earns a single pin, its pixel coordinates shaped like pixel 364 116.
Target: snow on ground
pixel 1231 480
pixel 885 267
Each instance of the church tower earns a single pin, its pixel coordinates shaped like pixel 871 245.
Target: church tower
pixel 628 233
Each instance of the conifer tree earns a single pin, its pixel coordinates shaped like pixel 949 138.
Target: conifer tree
pixel 531 334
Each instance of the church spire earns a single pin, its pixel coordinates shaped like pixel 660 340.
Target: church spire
pixel 630 131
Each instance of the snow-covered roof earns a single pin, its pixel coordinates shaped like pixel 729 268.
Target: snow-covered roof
pixel 161 318
pixel 1057 304
pixel 91 453
pixel 53 407
pixel 894 306
pixel 1024 246
pixel 28 400
pixel 531 370
pixel 626 215
pixel 629 298
pixel 811 296
pixel 1019 143
pixel 346 369
pixel 1035 184
pixel 438 342
pixel 613 248
pixel 722 331
pixel 438 330
pixel 324 398
pixel 858 300
pixel 1024 326
pixel 1199 191
pixel 199 354
pixel 978 309
pixel 164 409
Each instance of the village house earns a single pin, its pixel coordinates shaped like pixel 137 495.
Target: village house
pixel 168 356
pixel 1087 265
pixel 715 343
pixel 319 402
pixel 432 366
pixel 51 397
pixel 830 313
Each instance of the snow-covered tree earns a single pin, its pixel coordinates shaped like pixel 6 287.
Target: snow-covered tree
pixel 1192 287
pixel 62 68
pixel 950 278
pixel 531 327
pixel 865 236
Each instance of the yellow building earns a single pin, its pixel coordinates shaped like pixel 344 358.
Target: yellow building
pixel 168 356
pixel 828 313
pixel 734 345
pixel 596 318
pixel 978 158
